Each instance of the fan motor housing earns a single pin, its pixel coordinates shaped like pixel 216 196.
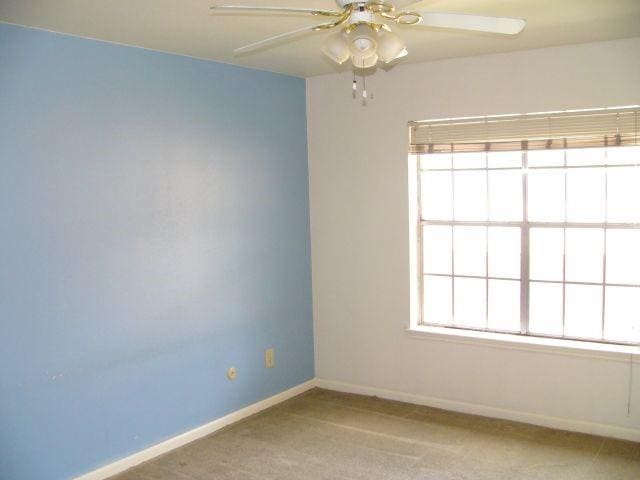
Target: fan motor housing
pixel 372 6
pixel 344 3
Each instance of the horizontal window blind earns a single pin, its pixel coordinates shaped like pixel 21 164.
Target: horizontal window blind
pixel 582 129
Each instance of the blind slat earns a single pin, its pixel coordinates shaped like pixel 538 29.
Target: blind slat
pixel 573 130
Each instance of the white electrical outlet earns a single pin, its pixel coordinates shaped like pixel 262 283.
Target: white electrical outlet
pixel 232 373
pixel 269 358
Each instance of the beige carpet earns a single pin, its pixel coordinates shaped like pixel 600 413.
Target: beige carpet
pixel 328 435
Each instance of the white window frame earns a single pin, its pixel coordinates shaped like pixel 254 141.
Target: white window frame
pixel 417 318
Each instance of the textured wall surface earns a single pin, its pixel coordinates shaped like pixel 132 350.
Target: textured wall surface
pixel 360 231
pixel 154 230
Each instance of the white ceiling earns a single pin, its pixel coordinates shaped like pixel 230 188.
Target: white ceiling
pixel 187 27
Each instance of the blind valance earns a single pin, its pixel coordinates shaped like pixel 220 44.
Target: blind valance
pixel 576 129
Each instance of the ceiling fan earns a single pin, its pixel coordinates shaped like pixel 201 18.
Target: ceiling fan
pixel 364 35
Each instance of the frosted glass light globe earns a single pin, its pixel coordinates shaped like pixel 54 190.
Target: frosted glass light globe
pixel 337 48
pixel 390 46
pixel 365 62
pixel 362 41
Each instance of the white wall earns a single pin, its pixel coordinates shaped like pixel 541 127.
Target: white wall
pixel 360 245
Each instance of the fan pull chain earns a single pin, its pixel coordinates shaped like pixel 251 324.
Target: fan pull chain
pixel 364 82
pixel 354 85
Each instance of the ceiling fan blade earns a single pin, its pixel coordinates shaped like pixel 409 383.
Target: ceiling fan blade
pixel 402 4
pixel 276 10
pixel 271 40
pixel 477 23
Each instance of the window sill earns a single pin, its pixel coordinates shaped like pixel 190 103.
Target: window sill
pixel 526 343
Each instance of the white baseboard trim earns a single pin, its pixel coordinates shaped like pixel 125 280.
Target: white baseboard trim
pixel 487 411
pixel 126 463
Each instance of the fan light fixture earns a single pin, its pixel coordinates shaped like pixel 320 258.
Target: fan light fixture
pixel 364 46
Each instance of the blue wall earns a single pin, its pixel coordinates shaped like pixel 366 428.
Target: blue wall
pixel 154 230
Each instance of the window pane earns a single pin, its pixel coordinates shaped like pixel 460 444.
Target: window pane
pixel 470 250
pixel 585 195
pixel 471 195
pixel 623 195
pixel 590 194
pixel 584 252
pixel 437 244
pixel 583 311
pixel 504 305
pixel 504 159
pixel 437 199
pixel 505 195
pixel 546 195
pixel 470 302
pixel 504 252
pixel 545 158
pixel 470 160
pixel 586 156
pixel 623 155
pixel 437 300
pixel 545 308
pixel 622 314
pixel 546 250
pixel 623 256
pixel 435 160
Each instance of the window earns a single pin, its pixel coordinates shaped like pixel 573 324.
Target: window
pixel 535 237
